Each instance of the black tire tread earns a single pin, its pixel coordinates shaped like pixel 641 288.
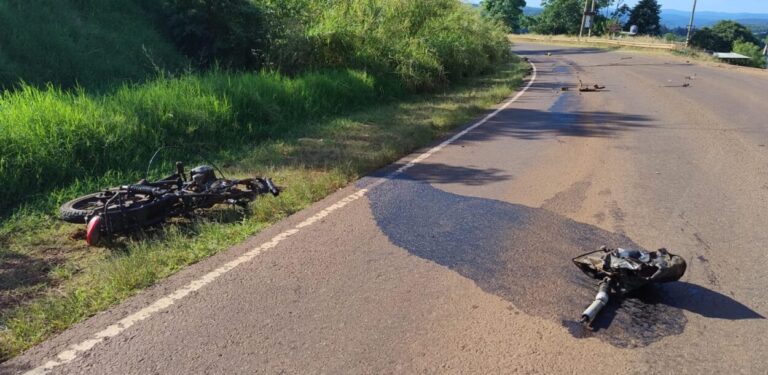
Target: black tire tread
pixel 70 214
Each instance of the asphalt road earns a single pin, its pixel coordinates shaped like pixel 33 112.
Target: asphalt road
pixel 461 264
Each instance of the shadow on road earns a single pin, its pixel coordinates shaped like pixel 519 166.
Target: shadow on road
pixel 443 174
pixel 523 255
pixel 559 120
pixel 705 302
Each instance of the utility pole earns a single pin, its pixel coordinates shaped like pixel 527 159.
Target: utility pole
pixel 583 18
pixel 690 26
pixel 592 20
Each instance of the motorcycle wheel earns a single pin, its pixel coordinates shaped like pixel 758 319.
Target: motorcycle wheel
pixel 79 209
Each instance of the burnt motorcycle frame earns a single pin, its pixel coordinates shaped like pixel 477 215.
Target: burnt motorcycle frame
pixel 128 208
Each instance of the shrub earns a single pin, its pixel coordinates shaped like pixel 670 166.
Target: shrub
pixel 230 32
pixel 753 51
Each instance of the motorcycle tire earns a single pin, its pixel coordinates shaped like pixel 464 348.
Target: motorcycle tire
pixel 77 210
pixel 142 209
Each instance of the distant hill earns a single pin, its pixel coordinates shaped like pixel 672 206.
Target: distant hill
pixel 531 11
pixel 677 18
pixel 672 18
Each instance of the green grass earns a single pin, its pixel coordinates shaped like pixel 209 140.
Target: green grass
pixel 50 138
pixel 336 132
pixel 91 43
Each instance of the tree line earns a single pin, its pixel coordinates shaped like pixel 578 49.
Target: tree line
pixel 565 16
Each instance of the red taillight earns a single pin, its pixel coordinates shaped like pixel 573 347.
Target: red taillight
pixel 92 232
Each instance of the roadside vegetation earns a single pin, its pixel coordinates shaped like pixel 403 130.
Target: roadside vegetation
pixel 614 19
pixel 727 36
pixel 312 93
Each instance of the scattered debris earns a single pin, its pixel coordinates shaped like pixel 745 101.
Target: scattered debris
pixel 691 78
pixel 686 84
pixel 594 88
pixel 621 271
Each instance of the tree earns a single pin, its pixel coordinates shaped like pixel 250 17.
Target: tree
pixel 621 11
pixel 647 16
pixel 756 58
pixel 507 11
pixel 559 17
pixel 722 36
pixel 733 31
pixel 707 39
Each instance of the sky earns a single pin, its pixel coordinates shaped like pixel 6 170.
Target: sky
pixel 730 6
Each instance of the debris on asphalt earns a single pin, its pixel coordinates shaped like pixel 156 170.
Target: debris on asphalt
pixel 622 271
pixel 593 88
pixel 691 77
pixel 686 84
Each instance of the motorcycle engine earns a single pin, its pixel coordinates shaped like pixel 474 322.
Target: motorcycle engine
pixel 203 175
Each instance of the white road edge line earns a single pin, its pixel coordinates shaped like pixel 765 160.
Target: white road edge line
pixel 113 330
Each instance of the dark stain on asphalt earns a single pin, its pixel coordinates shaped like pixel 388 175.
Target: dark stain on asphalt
pixel 523 255
pixel 561 112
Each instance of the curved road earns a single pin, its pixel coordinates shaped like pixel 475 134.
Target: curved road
pixel 461 264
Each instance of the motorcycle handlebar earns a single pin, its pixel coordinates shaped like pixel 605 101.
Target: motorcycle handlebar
pixel 271 186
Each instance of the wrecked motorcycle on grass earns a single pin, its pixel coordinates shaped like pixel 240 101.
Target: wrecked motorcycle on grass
pixel 124 209
pixel 622 271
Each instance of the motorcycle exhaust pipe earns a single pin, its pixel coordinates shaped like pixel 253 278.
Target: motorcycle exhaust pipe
pixel 601 299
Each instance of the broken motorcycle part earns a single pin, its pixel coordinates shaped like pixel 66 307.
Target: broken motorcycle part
pixel 622 271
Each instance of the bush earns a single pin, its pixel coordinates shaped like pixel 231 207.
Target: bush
pixel 753 51
pixel 425 44
pixel 230 32
pixel 671 37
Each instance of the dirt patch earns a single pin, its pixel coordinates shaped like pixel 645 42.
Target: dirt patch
pixel 23 277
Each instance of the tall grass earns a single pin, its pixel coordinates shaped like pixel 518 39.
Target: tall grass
pixel 50 137
pixel 425 44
